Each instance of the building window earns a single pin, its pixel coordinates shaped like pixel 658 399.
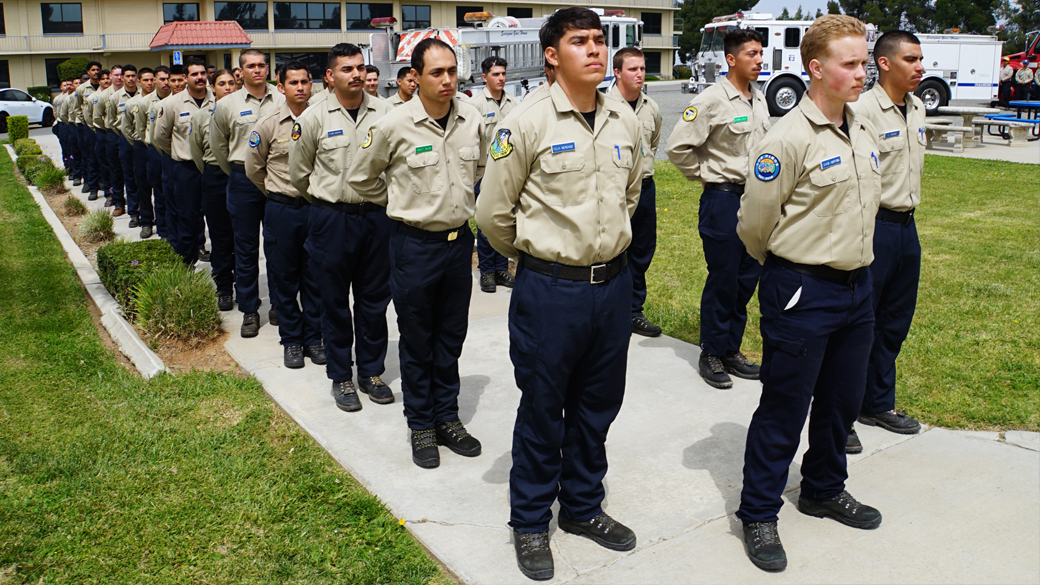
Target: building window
pixel 227 61
pixel 306 15
pixel 316 63
pixel 3 26
pixel 653 62
pixel 5 75
pixel 651 23
pixel 251 15
pixel 51 65
pixel 519 12
pixel 62 19
pixel 359 16
pixel 179 12
pixel 415 17
pixel 460 14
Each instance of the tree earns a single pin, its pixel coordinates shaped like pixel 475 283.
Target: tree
pixel 785 15
pixel 1019 17
pixel 833 7
pixel 696 14
pixel 818 14
pixel 911 15
pixel 72 68
pixel 799 15
pixel 971 16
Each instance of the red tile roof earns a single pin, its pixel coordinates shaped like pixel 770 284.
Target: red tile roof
pixel 193 34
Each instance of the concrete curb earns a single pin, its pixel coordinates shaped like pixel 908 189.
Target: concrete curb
pixel 130 344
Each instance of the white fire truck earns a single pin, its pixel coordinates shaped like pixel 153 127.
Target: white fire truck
pixel 957 67
pixel 513 39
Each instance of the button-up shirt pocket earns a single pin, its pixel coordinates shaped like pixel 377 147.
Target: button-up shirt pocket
pixel 468 157
pixel 564 184
pixel 425 171
pixel 892 143
pixel 334 153
pixel 239 121
pixel 832 194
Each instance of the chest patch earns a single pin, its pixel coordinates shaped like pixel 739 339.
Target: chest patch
pixel 830 163
pixel 245 113
pixel 182 114
pixel 566 147
pixel 892 134
pixel 332 133
pixel 740 119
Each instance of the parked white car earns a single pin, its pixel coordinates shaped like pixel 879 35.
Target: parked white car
pixel 15 102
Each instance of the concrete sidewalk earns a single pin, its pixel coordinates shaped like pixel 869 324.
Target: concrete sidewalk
pixel 959 507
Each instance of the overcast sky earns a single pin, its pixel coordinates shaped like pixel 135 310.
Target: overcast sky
pixel 777 6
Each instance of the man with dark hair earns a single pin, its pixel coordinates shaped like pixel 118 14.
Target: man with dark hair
pixel 568 156
pixel 372 81
pixel 406 82
pixel 97 113
pixel 134 132
pixel 81 105
pixel 61 125
pixel 630 73
pixel 177 83
pixel 211 72
pixel 233 120
pixel 147 114
pixel 348 244
pixel 710 145
pixel 123 161
pixel 430 150
pixel 898 116
pixel 494 104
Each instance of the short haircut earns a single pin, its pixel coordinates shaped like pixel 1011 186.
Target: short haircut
pixel 563 20
pixel 129 68
pixel 194 62
pixel 161 69
pixel 371 69
pixel 419 54
pixel 213 67
pixel 495 61
pixel 402 73
pixel 620 56
pixel 177 70
pixel 93 63
pixel 114 67
pixel 235 69
pixel 736 38
pixel 251 53
pixel 342 50
pixel 104 72
pixel 294 65
pixel 144 70
pixel 219 72
pixel 827 28
pixel 888 43
pixel 84 77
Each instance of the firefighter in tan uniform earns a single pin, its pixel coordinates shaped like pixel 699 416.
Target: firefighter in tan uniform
pixel 630 73
pixel 134 135
pixel 61 129
pixel 808 215
pixel 494 104
pixel 898 116
pixel 710 145
pixel 349 238
pixel 147 112
pixel 405 88
pixel 430 150
pixel 563 182
pixel 96 113
pixel 123 162
pixel 80 105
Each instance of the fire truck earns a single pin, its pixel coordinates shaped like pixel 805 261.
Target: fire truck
pixel 513 39
pixel 957 67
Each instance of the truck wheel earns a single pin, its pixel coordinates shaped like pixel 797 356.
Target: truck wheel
pixel 783 96
pixel 933 95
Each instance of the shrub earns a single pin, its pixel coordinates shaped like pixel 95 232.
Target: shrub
pixel 17 127
pixel 50 180
pixel 122 265
pixel 27 160
pixel 35 168
pixel 72 68
pixel 179 303
pixel 24 145
pixel 40 92
pixel 681 72
pixel 73 206
pixel 97 226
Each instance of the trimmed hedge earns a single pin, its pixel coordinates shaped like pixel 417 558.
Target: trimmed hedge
pixel 26 146
pixel 28 160
pixel 17 127
pixel 40 92
pixel 178 303
pixel 33 170
pixel 73 68
pixel 122 265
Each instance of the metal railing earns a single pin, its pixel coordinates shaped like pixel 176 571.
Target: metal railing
pixel 51 43
pixel 660 41
pixel 304 39
pixel 677 25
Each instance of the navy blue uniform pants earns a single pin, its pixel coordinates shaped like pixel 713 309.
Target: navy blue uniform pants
pixel 88 149
pixel 71 132
pixel 644 242
pixel 732 274
pixel 222 236
pixel 187 191
pixel 155 172
pixel 126 161
pixel 115 170
pixel 488 260
pixel 289 274
pixel 896 271
pixel 568 342
pixel 58 129
pixel 143 188
pixel 431 283
pixel 245 205
pixel 101 154
pixel 350 253
pixel 816 337
pixel 172 222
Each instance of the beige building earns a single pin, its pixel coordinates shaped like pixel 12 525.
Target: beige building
pixel 36 36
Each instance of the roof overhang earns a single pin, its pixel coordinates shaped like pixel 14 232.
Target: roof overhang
pixel 179 36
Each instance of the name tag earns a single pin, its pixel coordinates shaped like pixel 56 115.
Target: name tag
pixel 892 134
pixel 245 113
pixel 489 115
pixel 740 119
pixel 422 149
pixel 558 148
pixel 335 133
pixel 185 114
pixel 830 162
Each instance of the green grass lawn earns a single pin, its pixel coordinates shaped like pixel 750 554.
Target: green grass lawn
pixel 972 359
pixel 197 478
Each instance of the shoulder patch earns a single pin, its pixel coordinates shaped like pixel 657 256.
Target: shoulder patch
pixel 767 167
pixel 254 139
pixel 296 131
pixel 368 140
pixel 501 148
pixel 689 114
pixel 160 112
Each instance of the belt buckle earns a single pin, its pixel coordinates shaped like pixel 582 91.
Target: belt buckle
pixel 452 236
pixel 592 273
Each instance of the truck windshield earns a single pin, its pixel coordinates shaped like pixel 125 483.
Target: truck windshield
pixel 716 43
pixel 706 40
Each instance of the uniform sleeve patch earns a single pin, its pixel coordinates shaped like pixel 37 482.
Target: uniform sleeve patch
pixel 296 131
pixel 160 112
pixel 689 114
pixel 368 140
pixel 254 139
pixel 767 167
pixel 501 148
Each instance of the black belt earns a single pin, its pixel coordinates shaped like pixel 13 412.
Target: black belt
pixel 903 217
pixel 351 208
pixel 819 271
pixel 595 274
pixel 442 236
pixel 214 169
pixel 647 180
pixel 730 187
pixel 139 143
pixel 241 168
pixel 296 202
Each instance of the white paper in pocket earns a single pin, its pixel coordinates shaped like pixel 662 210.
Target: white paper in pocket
pixel 794 299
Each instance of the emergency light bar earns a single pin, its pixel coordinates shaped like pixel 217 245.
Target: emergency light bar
pixel 478 17
pixel 386 22
pixel 734 16
pixel 613 13
pixel 950 31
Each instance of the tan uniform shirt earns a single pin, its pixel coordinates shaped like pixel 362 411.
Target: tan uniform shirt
pixel 711 141
pixel 174 123
pixel 198 139
pixel 149 108
pixel 650 122
pixel 83 103
pixel 813 192
pixel 318 97
pixel 61 107
pixel 901 144
pixel 328 143
pixel 233 120
pixel 492 111
pixel 126 121
pixel 116 106
pixel 556 189
pixel 99 101
pixel 395 100
pixel 267 160
pixel 430 172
